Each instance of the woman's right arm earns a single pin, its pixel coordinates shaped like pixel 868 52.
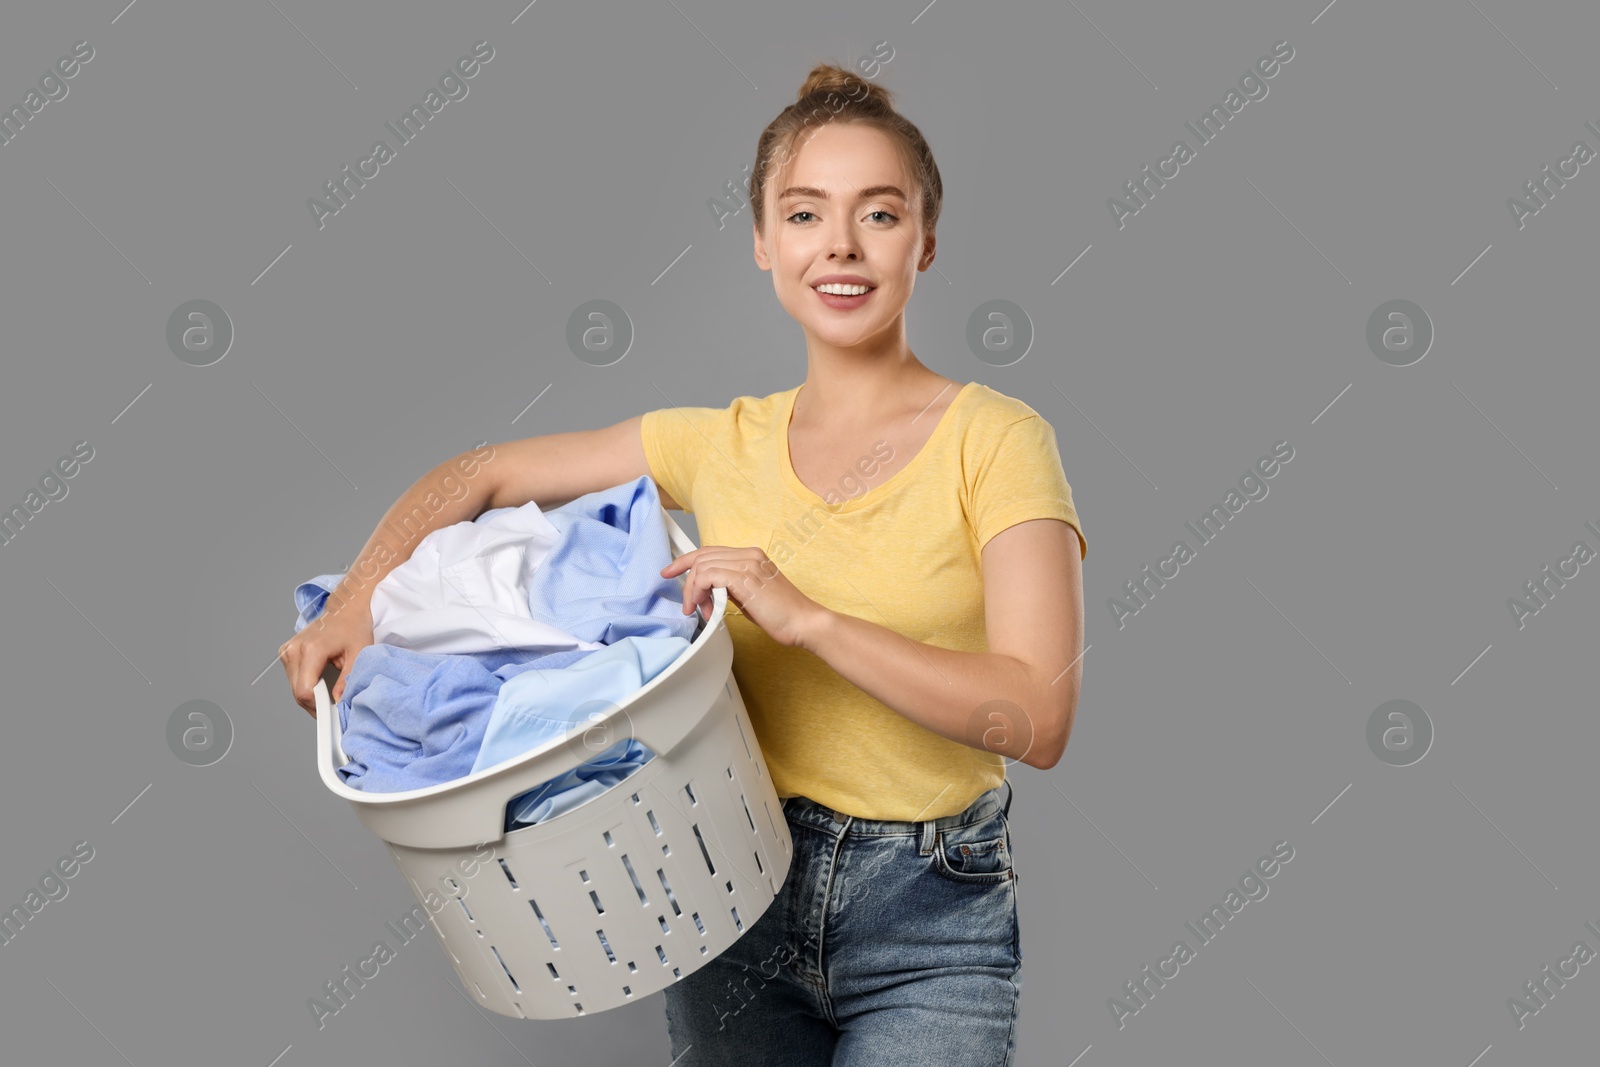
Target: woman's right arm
pixel 550 470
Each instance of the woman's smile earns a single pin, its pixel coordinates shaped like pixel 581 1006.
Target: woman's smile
pixel 843 291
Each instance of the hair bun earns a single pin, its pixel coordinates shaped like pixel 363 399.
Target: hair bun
pixel 827 78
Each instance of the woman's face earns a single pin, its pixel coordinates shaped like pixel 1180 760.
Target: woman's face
pixel 841 205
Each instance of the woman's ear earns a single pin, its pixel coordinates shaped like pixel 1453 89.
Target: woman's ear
pixel 760 249
pixel 927 253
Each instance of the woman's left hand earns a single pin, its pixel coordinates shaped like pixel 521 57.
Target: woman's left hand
pixel 753 582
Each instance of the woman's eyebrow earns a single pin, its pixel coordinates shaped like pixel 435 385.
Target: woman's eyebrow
pixel 812 192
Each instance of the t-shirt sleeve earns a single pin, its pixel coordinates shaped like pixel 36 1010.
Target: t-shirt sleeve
pixel 676 441
pixel 1020 478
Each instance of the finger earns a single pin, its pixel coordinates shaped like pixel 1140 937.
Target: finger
pixel 702 555
pixel 288 655
pixel 700 592
pixel 697 586
pixel 305 679
pixel 681 564
pixel 689 583
pixel 338 686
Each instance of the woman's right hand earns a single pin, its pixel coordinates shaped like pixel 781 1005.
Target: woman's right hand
pixel 336 639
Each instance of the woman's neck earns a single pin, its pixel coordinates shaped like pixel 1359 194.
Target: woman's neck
pixel 857 385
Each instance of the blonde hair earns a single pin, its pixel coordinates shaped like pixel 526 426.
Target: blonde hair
pixel 833 94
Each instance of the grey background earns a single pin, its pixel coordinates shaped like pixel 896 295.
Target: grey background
pixel 1228 315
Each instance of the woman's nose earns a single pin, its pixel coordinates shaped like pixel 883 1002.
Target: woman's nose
pixel 845 245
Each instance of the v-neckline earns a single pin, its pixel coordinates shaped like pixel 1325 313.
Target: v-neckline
pixel 807 494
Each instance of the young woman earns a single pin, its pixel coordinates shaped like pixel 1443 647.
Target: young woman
pixel 903 565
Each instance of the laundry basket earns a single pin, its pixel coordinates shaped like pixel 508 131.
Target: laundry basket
pixel 621 896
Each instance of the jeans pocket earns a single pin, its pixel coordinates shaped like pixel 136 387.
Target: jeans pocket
pixel 979 854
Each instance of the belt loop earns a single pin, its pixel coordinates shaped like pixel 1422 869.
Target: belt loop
pixel 1010 792
pixel 930 830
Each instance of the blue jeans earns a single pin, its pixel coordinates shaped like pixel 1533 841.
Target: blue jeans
pixel 894 944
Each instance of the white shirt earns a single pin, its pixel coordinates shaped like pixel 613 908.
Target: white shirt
pixel 465 589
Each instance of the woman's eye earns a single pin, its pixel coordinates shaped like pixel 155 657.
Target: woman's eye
pixel 874 215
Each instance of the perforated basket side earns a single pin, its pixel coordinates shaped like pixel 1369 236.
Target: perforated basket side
pixel 624 895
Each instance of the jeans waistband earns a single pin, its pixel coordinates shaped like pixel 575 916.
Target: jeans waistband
pixel 804 810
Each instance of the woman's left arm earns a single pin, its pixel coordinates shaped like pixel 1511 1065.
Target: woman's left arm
pixel 1018 699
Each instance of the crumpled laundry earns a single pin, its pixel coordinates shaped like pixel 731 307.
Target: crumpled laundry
pixel 579 785
pixel 585 575
pixel 533 711
pixel 602 579
pixel 514 594
pixel 465 588
pixel 409 720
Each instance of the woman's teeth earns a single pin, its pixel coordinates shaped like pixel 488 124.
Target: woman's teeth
pixel 838 289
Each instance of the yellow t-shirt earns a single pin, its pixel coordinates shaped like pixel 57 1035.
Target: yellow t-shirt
pixel 905 554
